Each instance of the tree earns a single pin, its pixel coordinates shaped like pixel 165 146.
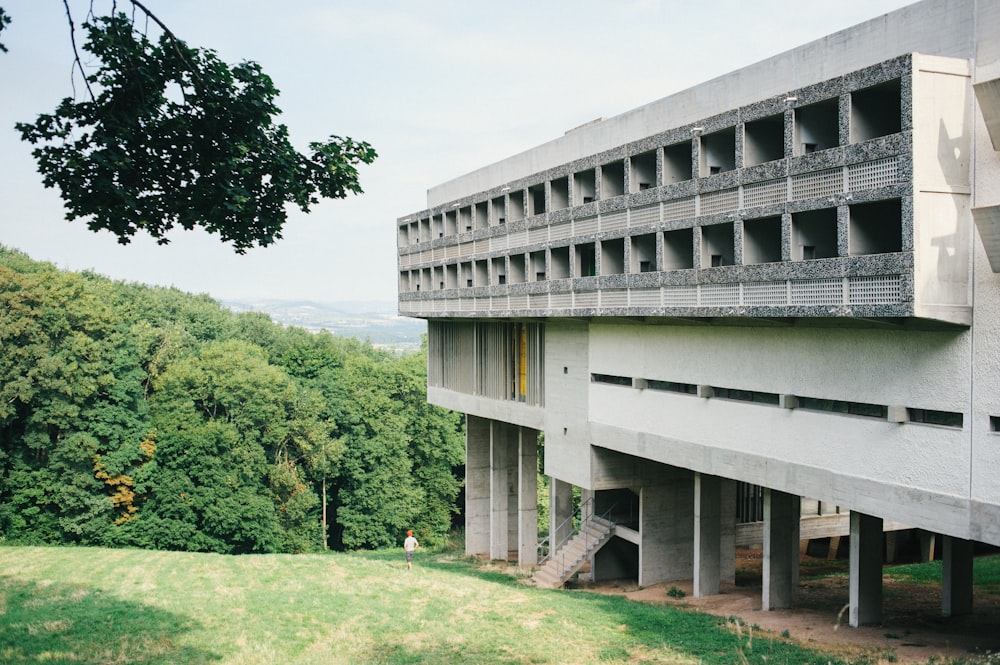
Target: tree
pixel 235 437
pixel 72 417
pixel 4 22
pixel 169 135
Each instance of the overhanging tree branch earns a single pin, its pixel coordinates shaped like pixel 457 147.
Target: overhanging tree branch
pixel 133 158
pixel 76 53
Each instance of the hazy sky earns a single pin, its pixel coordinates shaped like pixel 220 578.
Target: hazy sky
pixel 439 88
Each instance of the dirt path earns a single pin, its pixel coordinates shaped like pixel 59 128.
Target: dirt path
pixel 912 630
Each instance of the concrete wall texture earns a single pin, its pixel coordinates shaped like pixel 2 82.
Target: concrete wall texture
pixel 885 403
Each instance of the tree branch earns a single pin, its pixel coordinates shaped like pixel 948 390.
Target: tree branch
pixel 174 39
pixel 76 53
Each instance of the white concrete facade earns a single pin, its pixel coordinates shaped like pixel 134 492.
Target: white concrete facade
pixel 809 308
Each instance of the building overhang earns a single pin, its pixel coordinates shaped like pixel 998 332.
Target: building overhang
pixel 988 222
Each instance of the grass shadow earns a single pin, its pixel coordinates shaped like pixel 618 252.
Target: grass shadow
pixel 632 631
pixel 57 623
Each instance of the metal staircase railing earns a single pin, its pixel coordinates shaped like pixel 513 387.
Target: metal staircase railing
pixel 556 555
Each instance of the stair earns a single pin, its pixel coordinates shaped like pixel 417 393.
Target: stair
pixel 565 562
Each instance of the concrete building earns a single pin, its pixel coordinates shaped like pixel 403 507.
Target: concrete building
pixel 776 289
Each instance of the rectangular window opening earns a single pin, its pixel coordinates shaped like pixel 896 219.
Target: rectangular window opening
pixel 931 417
pixel 672 387
pixel 848 408
pixel 745 395
pixel 611 379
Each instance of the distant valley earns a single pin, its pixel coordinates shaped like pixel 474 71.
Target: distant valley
pixel 375 321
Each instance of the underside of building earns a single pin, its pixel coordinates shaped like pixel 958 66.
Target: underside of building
pixel 760 310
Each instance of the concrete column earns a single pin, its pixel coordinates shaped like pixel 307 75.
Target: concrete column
pixel 727 533
pixel 500 491
pixel 956 577
pixel 586 504
pixel 666 529
pixel 891 540
pixel 927 543
pixel 560 511
pixel 477 486
pixel 866 570
pixel 527 502
pixel 781 549
pixel 707 534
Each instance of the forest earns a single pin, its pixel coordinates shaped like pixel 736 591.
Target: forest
pixel 138 416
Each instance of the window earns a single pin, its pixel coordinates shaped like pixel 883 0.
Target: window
pixel 515 210
pixel 930 417
pixel 762 240
pixel 642 172
pixel 764 140
pixel 718 152
pixel 876 228
pixel 814 234
pixel 612 180
pixel 817 126
pixel 480 215
pixel 560 262
pixel 536 199
pixel 745 395
pixel 586 260
pixel 497 211
pixel 584 187
pixel 643 254
pixel 678 249
pixel 849 408
pixel 876 111
pixel 677 163
pixel 560 193
pixel 717 245
pixel 672 387
pixel 613 256
pixel 611 379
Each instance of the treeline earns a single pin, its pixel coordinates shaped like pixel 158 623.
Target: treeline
pixel 133 416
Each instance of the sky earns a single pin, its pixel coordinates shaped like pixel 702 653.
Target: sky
pixel 439 88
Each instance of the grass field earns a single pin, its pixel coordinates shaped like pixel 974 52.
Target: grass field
pixel 88 605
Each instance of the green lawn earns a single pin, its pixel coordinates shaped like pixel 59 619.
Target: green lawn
pixel 89 605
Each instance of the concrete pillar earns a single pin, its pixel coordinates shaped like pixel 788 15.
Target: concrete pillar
pixel 890 546
pixel 586 504
pixel 781 549
pixel 866 570
pixel 560 511
pixel 527 493
pixel 707 534
pixel 727 532
pixel 500 491
pixel 956 577
pixel 666 529
pixel 927 542
pixel 477 486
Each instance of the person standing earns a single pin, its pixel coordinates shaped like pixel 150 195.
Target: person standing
pixel 409 545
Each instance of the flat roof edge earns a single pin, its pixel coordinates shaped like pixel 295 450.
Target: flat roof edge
pixel 934 27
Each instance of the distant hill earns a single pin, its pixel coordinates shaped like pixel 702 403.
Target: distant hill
pixel 373 320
